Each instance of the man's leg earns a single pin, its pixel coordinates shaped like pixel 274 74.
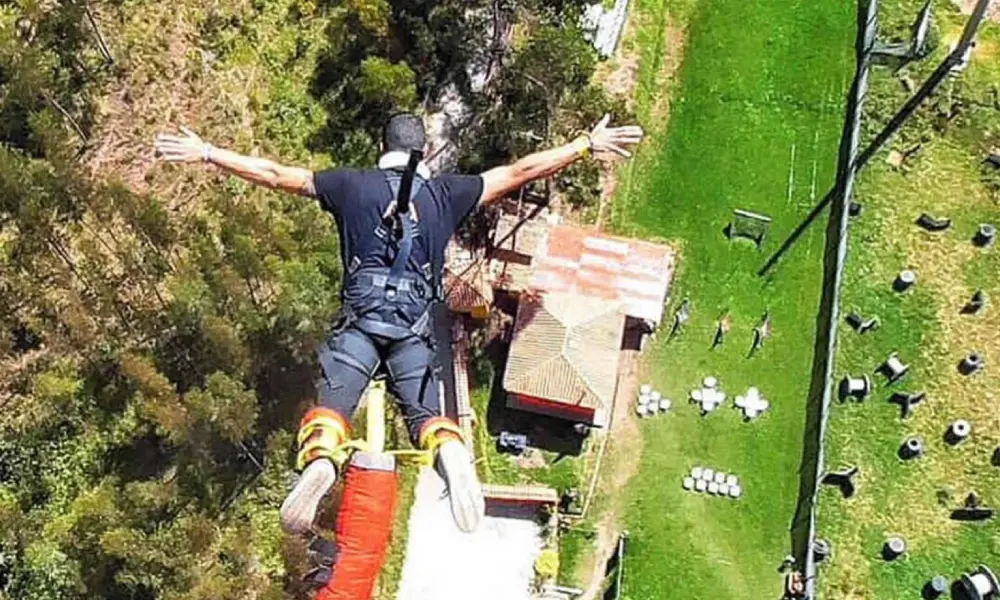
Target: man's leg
pixel 413 381
pixel 347 363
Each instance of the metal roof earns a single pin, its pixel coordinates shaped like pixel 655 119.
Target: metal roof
pixel 578 261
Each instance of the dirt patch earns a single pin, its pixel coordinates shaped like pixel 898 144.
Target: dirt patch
pixel 148 88
pixel 618 76
pixel 966 7
pixel 166 81
pixel 624 442
pixel 624 447
pixel 623 77
pixel 532 459
pixel 675 38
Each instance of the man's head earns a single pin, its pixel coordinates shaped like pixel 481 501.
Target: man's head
pixel 404 132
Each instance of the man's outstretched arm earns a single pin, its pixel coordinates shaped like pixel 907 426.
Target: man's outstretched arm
pixel 261 171
pixel 602 140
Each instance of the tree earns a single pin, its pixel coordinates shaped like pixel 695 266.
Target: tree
pixel 371 15
pixel 225 407
pixel 157 345
pixel 387 87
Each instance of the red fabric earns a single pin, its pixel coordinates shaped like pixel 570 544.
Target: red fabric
pixel 322 411
pixel 559 409
pixel 364 525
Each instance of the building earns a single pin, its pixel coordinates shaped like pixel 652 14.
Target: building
pixel 467 282
pixel 580 296
pixel 469 291
pixel 588 293
pixel 563 358
pixel 588 263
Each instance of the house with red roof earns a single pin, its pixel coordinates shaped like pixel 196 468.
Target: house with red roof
pixel 580 293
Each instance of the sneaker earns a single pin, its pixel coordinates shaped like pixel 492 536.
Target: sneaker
pixel 298 511
pixel 465 492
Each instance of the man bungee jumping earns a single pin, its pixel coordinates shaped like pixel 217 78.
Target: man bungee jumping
pixel 394 223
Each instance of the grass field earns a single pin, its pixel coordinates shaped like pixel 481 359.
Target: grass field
pixel 926 327
pixel 754 120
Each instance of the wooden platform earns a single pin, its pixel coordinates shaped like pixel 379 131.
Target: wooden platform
pixel 520 494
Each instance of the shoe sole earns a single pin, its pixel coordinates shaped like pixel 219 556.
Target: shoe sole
pixel 464 490
pixel 298 511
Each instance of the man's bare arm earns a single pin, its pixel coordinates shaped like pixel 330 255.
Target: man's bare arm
pixel 500 181
pixel 261 171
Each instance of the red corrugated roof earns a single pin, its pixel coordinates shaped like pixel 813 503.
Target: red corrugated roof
pixel 467 289
pixel 587 263
pixel 466 279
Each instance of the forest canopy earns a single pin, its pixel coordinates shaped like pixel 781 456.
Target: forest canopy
pixel 157 324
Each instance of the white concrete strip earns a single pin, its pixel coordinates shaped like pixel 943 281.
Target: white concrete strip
pixel 603 262
pixel 495 562
pixel 606 245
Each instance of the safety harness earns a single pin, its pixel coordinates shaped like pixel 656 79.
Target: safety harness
pixel 394 301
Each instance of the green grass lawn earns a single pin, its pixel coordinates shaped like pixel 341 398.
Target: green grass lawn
pixel 758 103
pixel 555 470
pixel 926 327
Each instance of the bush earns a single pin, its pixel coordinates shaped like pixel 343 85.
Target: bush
pixel 547 564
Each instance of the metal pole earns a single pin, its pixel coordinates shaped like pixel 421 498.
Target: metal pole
pixel 835 255
pixel 375 416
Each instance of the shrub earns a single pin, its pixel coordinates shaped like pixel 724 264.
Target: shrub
pixel 547 564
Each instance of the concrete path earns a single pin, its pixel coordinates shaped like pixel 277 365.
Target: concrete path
pixel 495 562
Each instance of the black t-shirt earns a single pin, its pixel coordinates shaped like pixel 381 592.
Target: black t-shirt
pixel 358 198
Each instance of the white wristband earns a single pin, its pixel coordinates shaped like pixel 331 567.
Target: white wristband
pixel 206 153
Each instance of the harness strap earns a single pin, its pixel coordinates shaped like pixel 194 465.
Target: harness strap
pixel 426 269
pixel 421 328
pixel 405 249
pixel 430 270
pixel 381 328
pixel 380 279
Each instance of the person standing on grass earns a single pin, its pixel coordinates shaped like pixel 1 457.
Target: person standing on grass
pixel 393 264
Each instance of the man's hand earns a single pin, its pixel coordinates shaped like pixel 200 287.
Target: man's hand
pixel 601 141
pixel 261 171
pixel 604 140
pixel 181 148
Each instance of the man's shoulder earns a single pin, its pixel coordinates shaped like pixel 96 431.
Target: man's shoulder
pixel 336 178
pixel 345 172
pixel 449 177
pixel 459 194
pixel 456 182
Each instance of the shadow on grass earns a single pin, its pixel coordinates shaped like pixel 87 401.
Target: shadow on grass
pixel 834 254
pixel 513 511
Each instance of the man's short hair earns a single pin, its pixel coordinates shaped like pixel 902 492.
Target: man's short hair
pixel 405 132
